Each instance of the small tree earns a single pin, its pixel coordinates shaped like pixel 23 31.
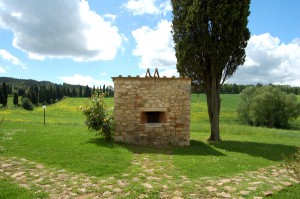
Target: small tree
pixel 267 106
pixel 26 104
pixel 292 165
pixel 98 117
pixel 87 91
pixel 16 99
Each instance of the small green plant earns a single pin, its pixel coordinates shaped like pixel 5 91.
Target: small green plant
pixel 267 106
pixel 98 117
pixel 26 104
pixel 292 164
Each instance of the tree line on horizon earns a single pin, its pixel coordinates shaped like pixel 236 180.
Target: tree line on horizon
pixel 45 92
pixel 237 89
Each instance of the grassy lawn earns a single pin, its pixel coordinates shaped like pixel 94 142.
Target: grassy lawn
pixel 290 193
pixel 10 190
pixel 244 148
pixel 65 143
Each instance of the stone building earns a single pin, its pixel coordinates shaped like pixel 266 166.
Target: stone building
pixel 152 110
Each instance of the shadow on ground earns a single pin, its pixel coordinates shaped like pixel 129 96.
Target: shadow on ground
pixel 268 151
pixel 196 148
pixel 101 142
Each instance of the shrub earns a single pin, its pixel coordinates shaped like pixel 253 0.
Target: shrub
pixel 98 117
pixel 292 165
pixel 26 104
pixel 267 106
pixel 16 99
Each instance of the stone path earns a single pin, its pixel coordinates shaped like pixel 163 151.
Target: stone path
pixel 150 176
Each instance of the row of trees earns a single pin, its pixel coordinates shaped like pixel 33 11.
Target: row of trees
pixel 237 89
pixel 48 93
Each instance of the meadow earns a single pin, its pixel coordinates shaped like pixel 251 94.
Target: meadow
pixel 65 144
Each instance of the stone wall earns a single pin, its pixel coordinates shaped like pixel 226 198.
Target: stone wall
pixel 152 111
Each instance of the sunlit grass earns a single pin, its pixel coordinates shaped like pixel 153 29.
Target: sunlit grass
pixel 288 192
pixel 65 143
pixel 243 148
pixel 11 190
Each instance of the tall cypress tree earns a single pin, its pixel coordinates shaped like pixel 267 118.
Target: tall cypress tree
pixel 16 99
pixel 1 95
pixel 80 91
pixel 4 94
pixel 87 91
pixel 210 38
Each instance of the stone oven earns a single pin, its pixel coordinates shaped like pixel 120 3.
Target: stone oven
pixel 151 110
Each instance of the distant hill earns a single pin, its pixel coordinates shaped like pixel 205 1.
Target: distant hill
pixel 25 86
pixel 23 82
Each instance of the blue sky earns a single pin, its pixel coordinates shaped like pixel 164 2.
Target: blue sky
pixel 88 42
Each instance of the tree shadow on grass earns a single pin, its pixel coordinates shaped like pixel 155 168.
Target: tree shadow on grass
pixel 295 127
pixel 196 148
pixel 268 151
pixel 101 142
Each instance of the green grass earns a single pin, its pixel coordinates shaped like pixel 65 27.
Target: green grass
pixel 10 190
pixel 244 148
pixel 289 192
pixel 65 143
pixel 235 154
pixel 69 147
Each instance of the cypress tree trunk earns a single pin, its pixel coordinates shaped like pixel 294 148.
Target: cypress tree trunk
pixel 213 107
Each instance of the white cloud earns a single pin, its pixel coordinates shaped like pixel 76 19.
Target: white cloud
pixel 165 7
pixel 110 17
pixel 155 46
pixel 270 61
pixel 2 70
pixel 250 62
pixel 140 7
pixel 169 73
pixel 84 80
pixel 60 29
pixel 9 57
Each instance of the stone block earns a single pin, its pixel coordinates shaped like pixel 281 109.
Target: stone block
pixel 118 138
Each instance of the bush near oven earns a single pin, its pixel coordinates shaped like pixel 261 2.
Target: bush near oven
pixel 98 117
